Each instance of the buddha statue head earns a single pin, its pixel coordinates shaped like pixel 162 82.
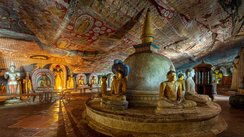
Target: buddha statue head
pixel 190 72
pixel 58 67
pixel 119 74
pixel 181 76
pixel 104 79
pixel 171 75
pixel 12 67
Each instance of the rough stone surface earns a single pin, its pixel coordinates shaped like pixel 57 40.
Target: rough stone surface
pixel 143 121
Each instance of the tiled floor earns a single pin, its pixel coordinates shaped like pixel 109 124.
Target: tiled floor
pixel 38 120
pixel 53 120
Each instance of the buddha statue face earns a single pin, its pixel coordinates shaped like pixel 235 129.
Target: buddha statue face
pixel 216 71
pixel 190 72
pixel 118 75
pixel 171 76
pixel 104 79
pixel 58 68
pixel 12 68
pixel 181 78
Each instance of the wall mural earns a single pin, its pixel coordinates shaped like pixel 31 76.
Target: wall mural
pixel 67 29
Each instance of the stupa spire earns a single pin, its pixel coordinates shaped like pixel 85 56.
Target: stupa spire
pixel 147 33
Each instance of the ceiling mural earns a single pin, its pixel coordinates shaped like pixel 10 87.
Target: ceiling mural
pixel 89 35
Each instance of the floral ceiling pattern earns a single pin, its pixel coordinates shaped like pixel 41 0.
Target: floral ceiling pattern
pixel 89 34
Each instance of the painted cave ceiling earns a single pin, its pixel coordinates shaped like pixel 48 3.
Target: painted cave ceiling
pixel 88 35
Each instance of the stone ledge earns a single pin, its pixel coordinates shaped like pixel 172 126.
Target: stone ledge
pixel 145 122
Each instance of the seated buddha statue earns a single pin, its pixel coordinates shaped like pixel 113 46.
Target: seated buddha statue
pixel 81 81
pixel 103 87
pixel 119 84
pixel 191 94
pixel 172 95
pixel 116 99
pixel 182 82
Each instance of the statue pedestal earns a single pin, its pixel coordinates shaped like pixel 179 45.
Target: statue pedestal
pixel 142 98
pixel 201 121
pixel 114 102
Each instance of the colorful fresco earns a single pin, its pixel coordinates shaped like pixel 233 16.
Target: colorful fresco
pixel 88 35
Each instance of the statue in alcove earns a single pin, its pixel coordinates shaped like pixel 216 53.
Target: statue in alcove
pixel 12 76
pixel 27 84
pixel 44 81
pixel 93 81
pixel 81 81
pixel 58 73
pixel 70 82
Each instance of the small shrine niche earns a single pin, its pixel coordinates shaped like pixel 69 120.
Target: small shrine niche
pixel 203 79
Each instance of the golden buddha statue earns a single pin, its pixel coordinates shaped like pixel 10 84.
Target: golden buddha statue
pixel 58 73
pixel 93 81
pixel 119 84
pixel 171 94
pixel 112 84
pixel 103 87
pixel 218 75
pixel 81 81
pixel 27 84
pixel 70 82
pixel 182 82
pixel 3 89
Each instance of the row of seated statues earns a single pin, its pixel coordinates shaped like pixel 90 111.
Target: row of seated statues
pixel 180 93
pixel 173 93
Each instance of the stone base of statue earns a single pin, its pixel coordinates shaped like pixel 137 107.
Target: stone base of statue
pixel 195 121
pixel 114 102
pixel 237 100
pixel 142 98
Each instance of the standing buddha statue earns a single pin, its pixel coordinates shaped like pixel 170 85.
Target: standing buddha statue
pixel 58 73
